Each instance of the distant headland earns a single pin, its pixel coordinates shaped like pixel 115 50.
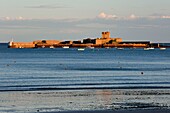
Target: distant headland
pixel 104 42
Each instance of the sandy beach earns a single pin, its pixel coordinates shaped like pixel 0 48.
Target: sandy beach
pixel 86 101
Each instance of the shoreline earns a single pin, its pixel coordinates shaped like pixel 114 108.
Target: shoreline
pixel 116 111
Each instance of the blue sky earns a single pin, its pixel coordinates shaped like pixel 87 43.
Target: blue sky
pixel 28 20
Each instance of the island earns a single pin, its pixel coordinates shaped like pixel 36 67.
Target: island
pixel 104 42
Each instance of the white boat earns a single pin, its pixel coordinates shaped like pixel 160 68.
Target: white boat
pixel 120 48
pixel 149 48
pixel 146 48
pixel 52 47
pixel 90 47
pixel 66 47
pixel 162 48
pixel 107 47
pixel 81 49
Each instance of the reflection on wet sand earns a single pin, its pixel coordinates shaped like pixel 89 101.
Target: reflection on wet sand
pixel 104 98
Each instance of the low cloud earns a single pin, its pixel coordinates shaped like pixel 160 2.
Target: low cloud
pixel 106 16
pixel 159 16
pixel 46 7
pixel 166 17
pixel 132 16
pixel 103 15
pixel 13 18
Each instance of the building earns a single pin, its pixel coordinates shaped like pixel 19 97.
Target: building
pixel 106 35
pixel 106 39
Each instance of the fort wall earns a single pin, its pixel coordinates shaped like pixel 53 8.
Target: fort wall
pixel 22 45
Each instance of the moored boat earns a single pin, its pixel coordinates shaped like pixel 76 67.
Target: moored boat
pixel 162 48
pixel 81 49
pixel 149 48
pixel 120 48
pixel 66 47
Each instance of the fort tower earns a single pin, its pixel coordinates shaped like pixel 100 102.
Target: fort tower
pixel 106 35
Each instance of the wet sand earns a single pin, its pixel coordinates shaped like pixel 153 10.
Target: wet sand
pixel 86 101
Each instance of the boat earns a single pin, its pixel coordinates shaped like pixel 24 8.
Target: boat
pixel 120 48
pixel 149 48
pixel 107 47
pixel 66 47
pixel 90 47
pixel 10 44
pixel 146 48
pixel 81 49
pixel 52 47
pixel 162 48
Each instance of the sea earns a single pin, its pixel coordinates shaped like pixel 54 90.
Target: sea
pixel 69 70
pixel 62 69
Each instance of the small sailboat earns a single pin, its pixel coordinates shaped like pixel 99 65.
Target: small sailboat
pixel 10 44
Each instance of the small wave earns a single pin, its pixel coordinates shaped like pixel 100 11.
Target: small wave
pixel 83 84
pixel 119 69
pixel 84 88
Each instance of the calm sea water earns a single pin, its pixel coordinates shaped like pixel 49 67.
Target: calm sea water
pixel 70 69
